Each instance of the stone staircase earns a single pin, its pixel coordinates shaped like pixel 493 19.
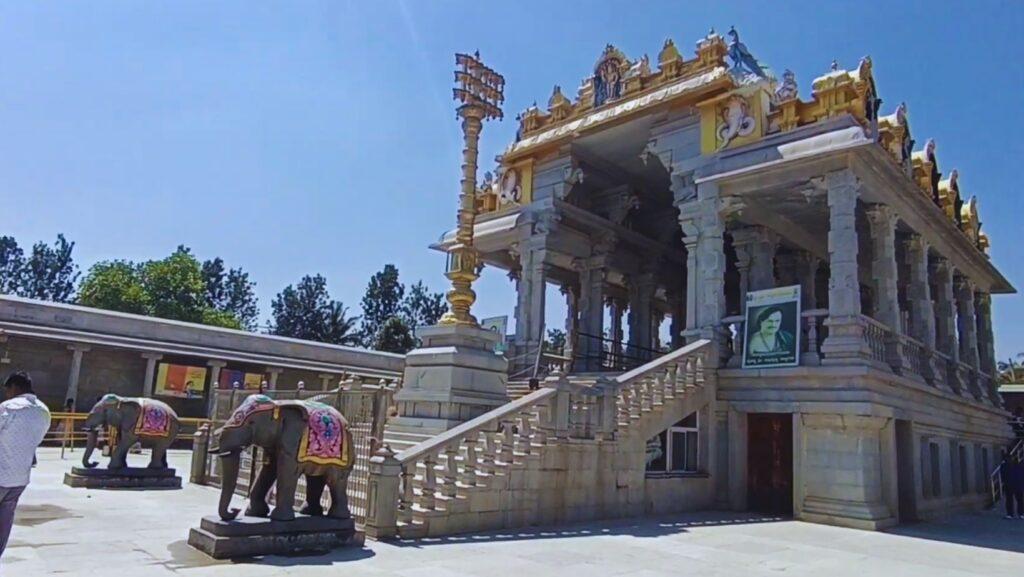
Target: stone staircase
pixel 520 388
pixel 571 451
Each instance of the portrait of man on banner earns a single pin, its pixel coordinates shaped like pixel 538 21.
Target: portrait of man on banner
pixel 772 328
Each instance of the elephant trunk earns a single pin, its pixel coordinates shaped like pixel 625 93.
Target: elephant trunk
pixel 90 446
pixel 229 463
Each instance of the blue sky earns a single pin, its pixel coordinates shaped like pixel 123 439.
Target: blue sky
pixel 305 137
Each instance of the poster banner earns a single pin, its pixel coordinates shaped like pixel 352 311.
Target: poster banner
pixel 247 381
pixel 498 325
pixel 180 381
pixel 772 328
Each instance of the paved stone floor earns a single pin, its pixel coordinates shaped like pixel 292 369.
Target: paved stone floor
pixel 80 532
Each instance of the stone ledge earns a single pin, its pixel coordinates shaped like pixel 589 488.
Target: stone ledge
pixel 126 478
pixel 252 537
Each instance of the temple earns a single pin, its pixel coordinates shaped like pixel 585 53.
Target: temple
pixel 665 194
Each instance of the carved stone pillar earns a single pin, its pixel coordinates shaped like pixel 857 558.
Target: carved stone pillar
pixel 967 328
pixel 532 289
pixel 641 299
pixel 616 309
pixel 571 294
pixel 704 232
pixel 592 274
pixel 882 220
pixel 986 340
pixel 846 331
pixel 945 312
pixel 922 312
pixel 755 258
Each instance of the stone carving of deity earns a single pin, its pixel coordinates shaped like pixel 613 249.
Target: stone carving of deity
pixel 607 81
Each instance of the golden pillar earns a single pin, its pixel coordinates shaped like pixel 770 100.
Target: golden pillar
pixel 480 93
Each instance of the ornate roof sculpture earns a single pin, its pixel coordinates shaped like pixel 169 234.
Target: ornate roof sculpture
pixel 740 102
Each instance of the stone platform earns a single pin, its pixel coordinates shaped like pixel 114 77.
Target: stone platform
pixel 255 537
pixel 125 478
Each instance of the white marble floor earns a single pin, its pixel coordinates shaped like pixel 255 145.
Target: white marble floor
pixel 79 532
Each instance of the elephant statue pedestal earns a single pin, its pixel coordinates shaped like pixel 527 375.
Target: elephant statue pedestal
pixel 257 536
pixel 123 478
pixel 296 438
pixel 130 420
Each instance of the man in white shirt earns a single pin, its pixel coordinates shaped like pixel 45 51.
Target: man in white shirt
pixel 24 421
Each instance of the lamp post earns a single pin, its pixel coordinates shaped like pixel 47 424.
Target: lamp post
pixel 479 91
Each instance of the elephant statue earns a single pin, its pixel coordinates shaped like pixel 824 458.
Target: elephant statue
pixel 299 438
pixel 144 420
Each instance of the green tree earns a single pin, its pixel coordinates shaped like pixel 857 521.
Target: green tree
pixel 383 300
pixel 175 287
pixel 170 288
pixel 555 342
pixel 230 291
pixel 394 337
pixel 306 311
pixel 423 308
pixel 48 273
pixel 12 264
pixel 116 286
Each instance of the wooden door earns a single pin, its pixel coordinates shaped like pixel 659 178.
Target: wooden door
pixel 770 463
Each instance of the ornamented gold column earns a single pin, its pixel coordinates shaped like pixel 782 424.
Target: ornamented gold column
pixel 480 92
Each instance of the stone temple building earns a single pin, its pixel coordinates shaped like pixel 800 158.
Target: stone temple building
pixel 665 191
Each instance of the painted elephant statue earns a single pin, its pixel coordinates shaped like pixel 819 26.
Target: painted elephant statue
pixel 142 420
pixel 299 438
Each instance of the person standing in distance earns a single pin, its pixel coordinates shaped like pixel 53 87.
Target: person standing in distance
pixel 24 421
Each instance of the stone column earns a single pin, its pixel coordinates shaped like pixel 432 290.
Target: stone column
pixel 532 290
pixel 148 380
pixel 882 220
pixel 274 372
pixel 76 369
pixel 755 259
pixel 592 274
pixel 945 312
pixel 986 341
pixel 800 267
pixel 212 386
pixel 703 233
pixel 967 328
pixel 571 295
pixel 922 312
pixel 616 309
pixel 641 296
pixel 846 331
pixel 325 381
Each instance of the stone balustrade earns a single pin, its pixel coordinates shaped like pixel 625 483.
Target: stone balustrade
pixel 491 472
pixel 900 353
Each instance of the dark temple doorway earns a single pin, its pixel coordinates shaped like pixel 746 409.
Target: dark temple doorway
pixel 770 463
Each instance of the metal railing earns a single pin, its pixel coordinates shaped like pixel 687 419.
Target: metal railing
pixel 996 478
pixel 610 355
pixel 66 431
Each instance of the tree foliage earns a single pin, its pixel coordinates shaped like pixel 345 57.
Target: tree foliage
pixel 386 299
pixel 48 273
pixel 306 311
pixel 172 288
pixel 555 343
pixel 395 337
pixel 231 292
pixel 423 308
pixel 383 300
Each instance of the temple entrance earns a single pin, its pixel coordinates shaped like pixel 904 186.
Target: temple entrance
pixel 770 463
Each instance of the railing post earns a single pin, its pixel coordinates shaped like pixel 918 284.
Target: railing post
pixel 383 495
pixel 469 469
pixel 451 472
pixel 428 500
pixel 200 449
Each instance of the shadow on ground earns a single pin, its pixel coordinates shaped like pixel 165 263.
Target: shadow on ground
pixel 985 529
pixel 638 527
